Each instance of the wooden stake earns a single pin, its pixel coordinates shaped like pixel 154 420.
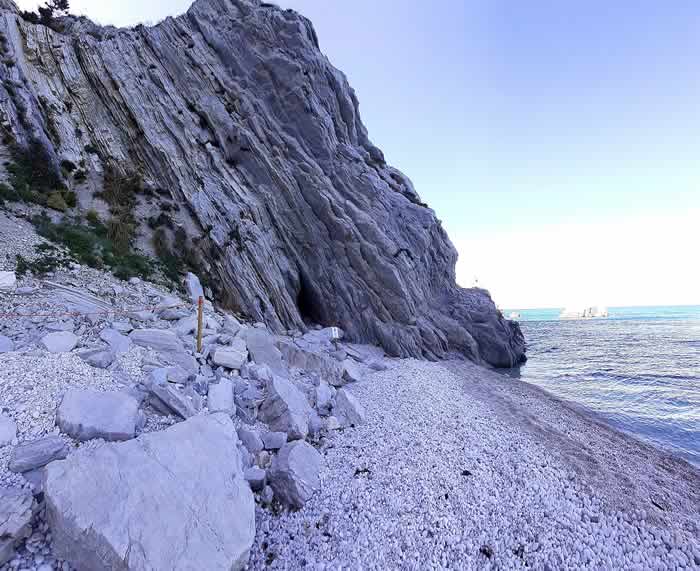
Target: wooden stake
pixel 200 310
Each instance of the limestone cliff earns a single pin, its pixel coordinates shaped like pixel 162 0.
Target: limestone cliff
pixel 251 141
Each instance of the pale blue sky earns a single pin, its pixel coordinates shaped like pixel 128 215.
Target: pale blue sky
pixel 557 140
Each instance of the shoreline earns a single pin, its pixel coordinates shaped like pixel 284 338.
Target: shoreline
pixel 597 417
pixel 593 426
pixel 459 466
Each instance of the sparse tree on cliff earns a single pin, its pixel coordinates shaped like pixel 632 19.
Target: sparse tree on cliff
pixel 48 12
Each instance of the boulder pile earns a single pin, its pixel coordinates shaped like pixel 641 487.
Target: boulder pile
pixel 180 446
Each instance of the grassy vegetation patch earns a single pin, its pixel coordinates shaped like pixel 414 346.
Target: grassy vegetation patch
pixel 49 259
pixel 91 244
pixel 35 179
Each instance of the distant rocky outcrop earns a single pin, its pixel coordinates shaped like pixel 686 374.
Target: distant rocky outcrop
pixel 250 143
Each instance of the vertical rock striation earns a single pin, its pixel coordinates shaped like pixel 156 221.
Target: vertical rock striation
pixel 251 142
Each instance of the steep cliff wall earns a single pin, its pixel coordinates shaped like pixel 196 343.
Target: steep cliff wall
pixel 252 142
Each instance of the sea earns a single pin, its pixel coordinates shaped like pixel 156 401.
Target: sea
pixel 638 369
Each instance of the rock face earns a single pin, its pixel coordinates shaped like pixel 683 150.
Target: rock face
pixel 175 499
pixel 232 113
pixel 91 414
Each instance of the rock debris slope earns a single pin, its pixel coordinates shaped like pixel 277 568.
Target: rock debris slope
pixel 253 144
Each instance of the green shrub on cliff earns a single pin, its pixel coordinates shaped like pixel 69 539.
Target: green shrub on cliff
pixel 56 201
pixel 91 244
pixel 32 172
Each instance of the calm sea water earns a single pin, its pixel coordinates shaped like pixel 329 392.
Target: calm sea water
pixel 639 369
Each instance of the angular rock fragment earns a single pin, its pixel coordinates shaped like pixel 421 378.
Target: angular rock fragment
pixel 8 430
pixel 201 384
pixel 285 409
pixel 117 342
pixel 294 475
pixel 8 281
pixel 274 440
pixel 86 414
pixel 186 325
pixel 319 363
pixel 262 349
pixel 16 511
pixel 173 314
pixel 172 400
pixel 231 325
pixel 251 440
pixel 352 371
pixel 232 356
pixel 167 303
pixel 168 346
pixel 248 402
pixel 332 423
pixel 256 478
pixel 316 425
pixel 37 453
pixel 348 409
pixel 6 344
pixel 158 339
pixel 324 394
pixel 193 287
pixel 175 499
pixel 60 341
pixel 122 326
pixel 220 397
pixel 378 365
pixel 98 358
pixel 143 316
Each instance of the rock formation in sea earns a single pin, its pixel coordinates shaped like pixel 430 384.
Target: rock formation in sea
pixel 249 143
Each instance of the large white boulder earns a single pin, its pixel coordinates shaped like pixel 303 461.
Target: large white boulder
pixel 285 409
pixel 85 414
pixel 294 475
pixel 175 500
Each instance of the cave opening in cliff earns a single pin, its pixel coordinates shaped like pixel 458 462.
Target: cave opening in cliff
pixel 308 302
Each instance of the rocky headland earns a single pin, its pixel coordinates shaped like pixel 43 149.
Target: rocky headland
pixel 344 410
